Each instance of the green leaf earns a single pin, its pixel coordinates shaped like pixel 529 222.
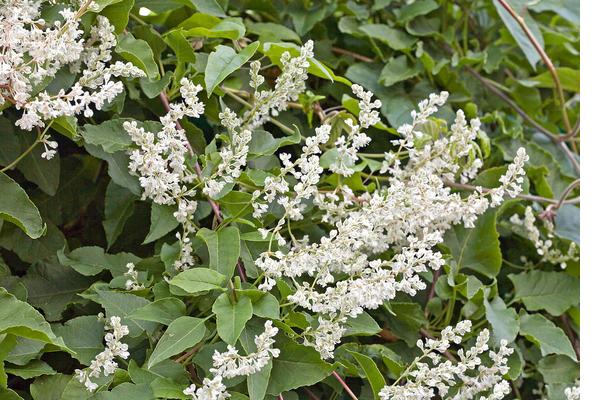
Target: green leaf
pixel 295 367
pixel 476 248
pixel 36 169
pixel 110 135
pixel 196 280
pixel 118 207
pixel 267 307
pixel 362 325
pixel 397 70
pixel 16 207
pixel 263 143
pixel 554 292
pixel 84 335
pixel 558 369
pixel 230 28
pixel 223 62
pixel 32 250
pixel 50 387
pixel 139 53
pixel 123 305
pixel 271 32
pixel 91 260
pixel 20 319
pixel 127 391
pixel 520 7
pixel 118 14
pixel 231 318
pixel 504 321
pixel 410 11
pixel 164 311
pixel 162 222
pixel 407 322
pixel 569 79
pixel 31 370
pixel 397 39
pixel 52 287
pixel 547 336
pixel 181 334
pixel 223 248
pixel 118 168
pixel 376 380
pixel 24 350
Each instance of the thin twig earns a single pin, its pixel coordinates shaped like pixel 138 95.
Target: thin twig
pixel 311 394
pixel 529 197
pixel 351 54
pixel 345 386
pixel 571 334
pixel 538 48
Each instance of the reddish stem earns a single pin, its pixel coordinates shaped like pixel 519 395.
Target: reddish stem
pixel 345 386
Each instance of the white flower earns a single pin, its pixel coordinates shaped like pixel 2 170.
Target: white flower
pixel 211 389
pixel 132 283
pixel 431 376
pixel 105 361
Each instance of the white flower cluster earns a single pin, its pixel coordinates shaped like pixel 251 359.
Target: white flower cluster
pixel 233 155
pixel 347 147
pixel 573 392
pixel 106 359
pixel 336 276
pixel 159 161
pixel 431 376
pixel 34 50
pixel 132 281
pixel 266 103
pixel 545 248
pixel 288 86
pixel 231 364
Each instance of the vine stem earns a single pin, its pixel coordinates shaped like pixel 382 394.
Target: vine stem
pixel 529 197
pixel 538 48
pixel 344 385
pixel 37 141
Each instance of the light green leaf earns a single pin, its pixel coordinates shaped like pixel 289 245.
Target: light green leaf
pixel 139 53
pixel 520 7
pixel 554 292
pixel 295 367
pixel 123 305
pixel 231 318
pixel 162 222
pixel 181 334
pixel 547 336
pixel 118 168
pixel 376 380
pixel 164 311
pixel 196 280
pixel 91 260
pixel 558 369
pixel 223 62
pixel 476 248
pixel 84 335
pixel 31 370
pixel 223 248
pixel 20 319
pixel 110 135
pixel 504 321
pixel 397 39
pixel 16 207
pixel 397 70
pixel 362 325
pixel 118 14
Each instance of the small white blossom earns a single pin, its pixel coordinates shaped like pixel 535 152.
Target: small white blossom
pixel 105 361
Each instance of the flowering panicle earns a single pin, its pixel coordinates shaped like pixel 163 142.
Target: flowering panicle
pixel 106 359
pixel 545 248
pixel 159 162
pixel 231 364
pixel 288 86
pixel 132 281
pixel 348 147
pixel 409 217
pixel 573 392
pixel 429 376
pixel 34 50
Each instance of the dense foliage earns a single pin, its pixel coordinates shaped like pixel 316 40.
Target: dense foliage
pixel 211 199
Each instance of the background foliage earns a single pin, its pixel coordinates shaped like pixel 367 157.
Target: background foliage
pixel 71 224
